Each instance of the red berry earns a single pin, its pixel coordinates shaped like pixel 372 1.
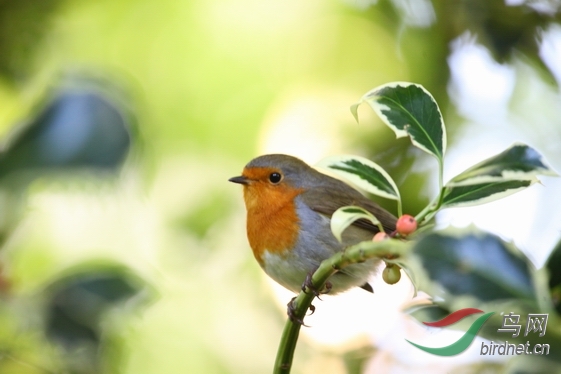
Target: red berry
pixel 406 225
pixel 380 236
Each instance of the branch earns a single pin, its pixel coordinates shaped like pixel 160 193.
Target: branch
pixel 360 252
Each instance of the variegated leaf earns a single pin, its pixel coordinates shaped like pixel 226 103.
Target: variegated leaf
pixel 519 162
pixel 363 173
pixel 409 110
pixel 345 216
pixel 475 194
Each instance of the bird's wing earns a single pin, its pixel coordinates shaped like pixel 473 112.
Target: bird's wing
pixel 326 200
pixel 367 287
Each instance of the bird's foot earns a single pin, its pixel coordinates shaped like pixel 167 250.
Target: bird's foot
pixel 309 285
pixel 291 312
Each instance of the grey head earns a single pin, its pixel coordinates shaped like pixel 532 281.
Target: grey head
pixel 279 167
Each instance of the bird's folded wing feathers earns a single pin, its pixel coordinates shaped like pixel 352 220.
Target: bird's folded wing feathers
pixel 327 201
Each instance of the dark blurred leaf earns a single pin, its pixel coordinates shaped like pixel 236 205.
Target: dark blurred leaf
pixel 476 264
pixel 501 27
pixel 506 29
pixel 69 331
pixel 428 313
pixel 77 303
pixel 553 266
pixel 78 128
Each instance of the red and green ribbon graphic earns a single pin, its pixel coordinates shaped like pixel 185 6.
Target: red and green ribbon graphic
pixel 464 342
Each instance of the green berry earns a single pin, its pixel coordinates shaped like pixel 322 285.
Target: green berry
pixel 391 274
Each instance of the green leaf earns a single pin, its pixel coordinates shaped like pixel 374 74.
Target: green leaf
pixel 519 162
pixel 553 266
pixel 363 173
pixel 78 301
pixel 472 263
pixel 431 312
pixel 345 216
pixel 504 174
pixel 476 194
pixel 94 111
pixel 409 110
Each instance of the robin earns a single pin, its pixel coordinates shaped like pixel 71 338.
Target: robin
pixel 289 207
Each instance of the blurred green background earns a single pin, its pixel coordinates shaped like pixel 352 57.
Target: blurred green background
pixel 123 245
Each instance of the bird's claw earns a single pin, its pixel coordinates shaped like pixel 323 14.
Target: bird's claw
pixel 312 309
pixel 309 285
pixel 291 312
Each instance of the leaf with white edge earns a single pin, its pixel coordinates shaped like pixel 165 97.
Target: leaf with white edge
pixel 345 216
pixel 468 262
pixel 462 196
pixel 409 110
pixel 519 162
pixel 363 173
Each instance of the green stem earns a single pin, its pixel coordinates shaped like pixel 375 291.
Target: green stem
pixel 289 338
pixel 300 304
pixel 399 207
pixel 354 254
pixel 428 209
pixel 431 209
pixel 440 174
pixel 285 353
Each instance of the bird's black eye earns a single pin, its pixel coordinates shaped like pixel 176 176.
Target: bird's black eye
pixel 275 178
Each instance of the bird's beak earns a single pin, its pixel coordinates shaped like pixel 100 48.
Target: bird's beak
pixel 241 180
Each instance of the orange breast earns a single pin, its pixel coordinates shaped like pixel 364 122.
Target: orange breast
pixel 272 222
